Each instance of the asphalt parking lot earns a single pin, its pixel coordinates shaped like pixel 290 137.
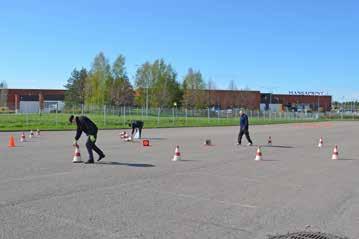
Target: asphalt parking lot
pixel 217 191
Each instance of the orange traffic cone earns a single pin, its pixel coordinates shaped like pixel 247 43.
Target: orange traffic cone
pixel 258 155
pixel 335 155
pixel 23 137
pixel 320 142
pixel 12 142
pixel 177 155
pixel 270 140
pixel 77 155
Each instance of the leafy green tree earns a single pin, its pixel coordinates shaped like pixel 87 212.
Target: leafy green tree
pixel 193 90
pixel 144 85
pixel 75 94
pixel 98 83
pixel 165 88
pixel 121 91
pixel 156 85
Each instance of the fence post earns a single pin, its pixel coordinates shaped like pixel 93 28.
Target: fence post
pixel 124 116
pixel 173 115
pixel 158 117
pixel 208 116
pixel 104 115
pixel 57 107
pixel 27 119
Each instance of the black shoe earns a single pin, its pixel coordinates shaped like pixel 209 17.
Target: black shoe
pixel 89 161
pixel 101 157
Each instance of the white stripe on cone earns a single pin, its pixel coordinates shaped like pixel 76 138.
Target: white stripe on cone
pixel 335 155
pixel 77 155
pixel 177 155
pixel 258 155
pixel 23 137
pixel 320 142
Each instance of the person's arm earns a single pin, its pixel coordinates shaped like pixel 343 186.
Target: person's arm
pixel 78 134
pixel 79 129
pixel 246 122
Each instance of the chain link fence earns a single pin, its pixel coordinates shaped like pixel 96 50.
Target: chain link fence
pixel 55 116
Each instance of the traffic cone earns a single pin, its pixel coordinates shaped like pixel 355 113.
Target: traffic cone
pixel 146 143
pixel 320 142
pixel 12 142
pixel 270 140
pixel 258 155
pixel 31 134
pixel 37 132
pixel 177 155
pixel 23 137
pixel 77 155
pixel 335 155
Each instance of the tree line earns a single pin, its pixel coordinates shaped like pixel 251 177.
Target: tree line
pixel 155 85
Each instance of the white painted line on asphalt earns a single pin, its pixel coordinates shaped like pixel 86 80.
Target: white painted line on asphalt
pixel 203 198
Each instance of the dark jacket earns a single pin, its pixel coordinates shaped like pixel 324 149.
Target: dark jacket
pixel 244 122
pixel 136 124
pixel 85 125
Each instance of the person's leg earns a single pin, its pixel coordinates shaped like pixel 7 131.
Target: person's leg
pixel 140 132
pixel 240 135
pixel 248 137
pixel 133 131
pixel 97 149
pixel 99 152
pixel 89 146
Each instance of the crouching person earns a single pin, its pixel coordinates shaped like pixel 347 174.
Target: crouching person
pixel 84 124
pixel 136 125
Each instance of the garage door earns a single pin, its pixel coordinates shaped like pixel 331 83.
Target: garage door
pixel 29 106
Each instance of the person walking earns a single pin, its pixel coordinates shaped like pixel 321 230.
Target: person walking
pixel 84 124
pixel 244 129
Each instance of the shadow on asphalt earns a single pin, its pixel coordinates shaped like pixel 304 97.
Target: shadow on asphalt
pixel 155 138
pixel 277 146
pixel 139 165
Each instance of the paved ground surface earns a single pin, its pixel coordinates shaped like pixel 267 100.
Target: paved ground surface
pixel 216 192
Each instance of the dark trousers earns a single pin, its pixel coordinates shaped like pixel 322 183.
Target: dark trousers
pixel 135 129
pixel 90 145
pixel 246 133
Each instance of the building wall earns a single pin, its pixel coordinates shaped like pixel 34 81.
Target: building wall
pixel 325 101
pixel 234 99
pixel 14 96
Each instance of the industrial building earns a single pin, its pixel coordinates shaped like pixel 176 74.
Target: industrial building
pixel 51 100
pixel 35 100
